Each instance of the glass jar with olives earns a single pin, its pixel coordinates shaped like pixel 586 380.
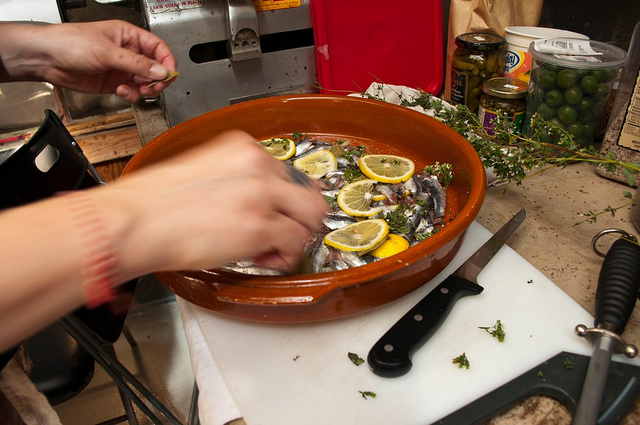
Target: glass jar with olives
pixel 503 95
pixel 571 90
pixel 477 57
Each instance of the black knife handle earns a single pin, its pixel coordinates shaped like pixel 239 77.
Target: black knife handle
pixel 391 355
pixel 618 285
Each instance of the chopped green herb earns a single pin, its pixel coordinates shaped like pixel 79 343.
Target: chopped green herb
pixel 352 171
pixel 359 151
pixel 443 172
pixel 398 220
pixel 540 374
pixel 352 174
pixel 331 201
pixel 461 361
pixel 355 359
pixel 297 135
pixel 497 331
pixel 366 394
pixel 568 364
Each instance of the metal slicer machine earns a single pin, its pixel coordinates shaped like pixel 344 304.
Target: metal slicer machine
pixel 229 51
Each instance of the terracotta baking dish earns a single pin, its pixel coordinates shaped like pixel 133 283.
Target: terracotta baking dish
pixel 323 296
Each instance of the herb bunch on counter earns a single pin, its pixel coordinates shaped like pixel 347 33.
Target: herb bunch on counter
pixel 513 156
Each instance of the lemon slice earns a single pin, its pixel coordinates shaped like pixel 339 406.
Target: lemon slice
pixel 281 149
pixel 393 245
pixel 360 236
pixel 355 198
pixel 317 164
pixel 377 196
pixel 387 168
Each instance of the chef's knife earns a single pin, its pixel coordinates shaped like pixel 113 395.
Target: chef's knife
pixel 618 285
pixel 391 355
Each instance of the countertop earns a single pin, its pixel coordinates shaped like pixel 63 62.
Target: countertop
pixel 552 242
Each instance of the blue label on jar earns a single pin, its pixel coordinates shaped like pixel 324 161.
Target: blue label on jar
pixel 511 60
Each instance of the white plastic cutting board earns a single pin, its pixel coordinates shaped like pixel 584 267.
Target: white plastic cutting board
pixel 300 374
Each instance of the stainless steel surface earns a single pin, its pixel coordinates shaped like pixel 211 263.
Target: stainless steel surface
pixel 474 265
pixel 197 34
pixel 593 389
pixel 619 346
pixel 596 238
pixel 22 105
pixel 243 32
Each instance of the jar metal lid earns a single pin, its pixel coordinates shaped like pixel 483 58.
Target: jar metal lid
pixel 506 88
pixel 480 41
pixel 610 57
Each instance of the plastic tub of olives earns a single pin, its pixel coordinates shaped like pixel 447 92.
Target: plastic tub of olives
pixel 571 90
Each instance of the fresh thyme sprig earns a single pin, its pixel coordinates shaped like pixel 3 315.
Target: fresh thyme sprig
pixel 514 157
pixel 497 331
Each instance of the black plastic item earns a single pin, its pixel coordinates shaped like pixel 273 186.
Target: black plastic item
pixel 50 162
pixel 61 367
pixel 391 355
pixel 618 285
pixel 561 377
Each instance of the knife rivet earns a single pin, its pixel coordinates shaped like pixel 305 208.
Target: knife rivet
pixel 418 317
pixel 444 290
pixel 388 348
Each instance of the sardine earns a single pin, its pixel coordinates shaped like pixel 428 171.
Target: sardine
pixel 247 267
pixel 431 186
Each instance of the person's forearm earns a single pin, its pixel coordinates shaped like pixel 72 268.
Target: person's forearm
pixel 19 60
pixel 49 246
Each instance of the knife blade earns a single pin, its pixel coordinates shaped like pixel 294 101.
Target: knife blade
pixel 391 355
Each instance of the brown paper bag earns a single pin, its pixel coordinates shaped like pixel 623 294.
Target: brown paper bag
pixel 486 16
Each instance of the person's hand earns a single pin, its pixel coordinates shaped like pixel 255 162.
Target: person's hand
pixel 225 200
pixel 97 57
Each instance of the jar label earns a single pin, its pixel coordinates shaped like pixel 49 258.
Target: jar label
pixel 264 5
pixel 486 116
pixel 517 64
pixel 630 134
pixel 458 87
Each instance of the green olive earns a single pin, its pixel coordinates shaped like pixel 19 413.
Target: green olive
pixel 576 129
pixel 554 97
pixel 537 94
pixel 602 91
pixel 547 80
pixel 573 95
pixel 566 78
pixel 585 105
pixel 588 84
pixel 567 114
pixel 589 128
pixel 604 75
pixel 557 122
pixel 546 112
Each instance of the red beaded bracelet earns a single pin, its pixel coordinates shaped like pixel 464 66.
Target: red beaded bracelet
pixel 100 262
